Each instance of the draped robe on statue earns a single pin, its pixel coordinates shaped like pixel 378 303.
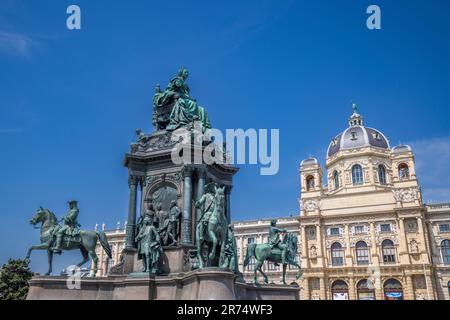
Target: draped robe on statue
pixel 185 109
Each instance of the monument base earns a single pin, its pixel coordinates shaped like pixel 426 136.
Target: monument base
pixel 204 284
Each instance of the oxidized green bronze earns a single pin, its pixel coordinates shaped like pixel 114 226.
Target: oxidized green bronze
pixel 276 251
pixel 149 245
pixel 212 226
pixel 70 226
pixel 67 237
pixel 229 257
pixel 170 228
pixel 174 107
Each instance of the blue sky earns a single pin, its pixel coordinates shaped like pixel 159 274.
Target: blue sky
pixel 71 100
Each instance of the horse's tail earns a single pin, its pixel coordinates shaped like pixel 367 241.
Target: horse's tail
pixel 250 253
pixel 104 242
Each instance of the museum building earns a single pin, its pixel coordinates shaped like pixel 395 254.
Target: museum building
pixel 365 234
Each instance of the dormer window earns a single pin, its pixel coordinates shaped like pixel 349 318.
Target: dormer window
pixel 376 136
pixel 333 142
pixel 354 135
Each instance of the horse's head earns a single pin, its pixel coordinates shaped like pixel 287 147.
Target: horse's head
pixel 219 193
pixel 43 215
pixel 39 216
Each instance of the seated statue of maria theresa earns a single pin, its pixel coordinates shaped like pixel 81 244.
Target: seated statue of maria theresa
pixel 185 109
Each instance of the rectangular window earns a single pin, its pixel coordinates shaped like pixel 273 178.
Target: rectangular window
pixel 362 256
pixel 334 231
pixel 337 257
pixel 444 227
pixel 385 228
pixel 251 264
pixel 314 283
pixel 250 240
pixel 359 229
pixel 389 255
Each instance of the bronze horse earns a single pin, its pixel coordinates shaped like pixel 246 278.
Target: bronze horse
pixel 263 252
pixel 214 229
pixel 86 244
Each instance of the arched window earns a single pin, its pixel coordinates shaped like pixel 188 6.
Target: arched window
pixel 337 254
pixel 357 174
pixel 339 289
pixel 393 290
pixel 388 249
pixel 403 171
pixel 366 290
pixel 336 180
pixel 362 253
pixel 310 184
pixel 382 174
pixel 445 251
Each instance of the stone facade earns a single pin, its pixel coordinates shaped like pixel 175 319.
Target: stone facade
pixel 438 226
pixel 365 234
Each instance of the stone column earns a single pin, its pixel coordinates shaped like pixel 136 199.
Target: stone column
pixel 348 249
pixel 131 222
pixel 320 254
pixel 306 290
pixel 187 207
pixel 305 260
pixel 409 288
pixel 375 258
pixel 323 289
pixel 404 246
pixel 200 190
pixel 351 289
pixel 425 255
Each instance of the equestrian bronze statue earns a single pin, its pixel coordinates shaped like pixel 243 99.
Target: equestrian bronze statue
pixel 278 251
pixel 212 226
pixel 56 238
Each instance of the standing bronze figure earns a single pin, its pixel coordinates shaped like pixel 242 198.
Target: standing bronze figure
pixel 212 225
pixel 149 245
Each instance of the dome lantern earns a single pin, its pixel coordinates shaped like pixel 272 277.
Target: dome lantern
pixel 355 119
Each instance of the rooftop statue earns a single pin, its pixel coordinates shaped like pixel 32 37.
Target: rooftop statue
pixel 277 251
pixel 55 238
pixel 174 107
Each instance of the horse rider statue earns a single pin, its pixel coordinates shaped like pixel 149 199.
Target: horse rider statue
pixel 70 225
pixel 275 239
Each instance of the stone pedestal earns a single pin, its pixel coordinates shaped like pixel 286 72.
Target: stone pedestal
pixel 205 284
